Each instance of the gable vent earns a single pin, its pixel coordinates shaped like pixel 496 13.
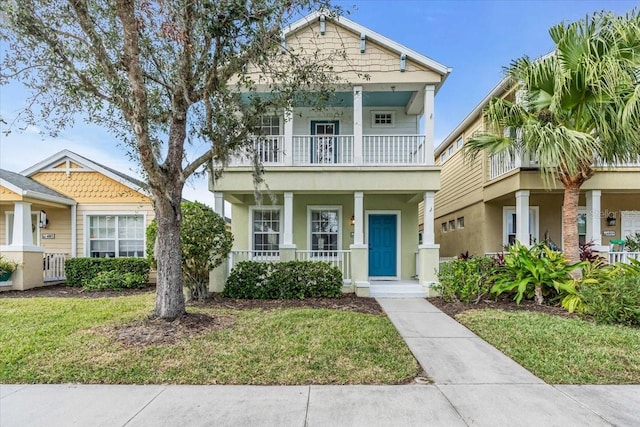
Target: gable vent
pixel 363 40
pixel 323 25
pixel 403 62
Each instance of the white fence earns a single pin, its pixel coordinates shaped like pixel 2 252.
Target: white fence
pixel 268 149
pixel 340 259
pixel 624 257
pixel 53 266
pixel 262 256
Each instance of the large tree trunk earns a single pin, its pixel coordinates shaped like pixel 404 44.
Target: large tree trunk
pixel 570 222
pixel 169 295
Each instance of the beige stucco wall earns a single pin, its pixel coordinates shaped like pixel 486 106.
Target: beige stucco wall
pixel 372 202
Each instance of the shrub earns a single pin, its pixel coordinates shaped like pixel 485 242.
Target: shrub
pixel 465 279
pixel 81 270
pixel 205 244
pixel 283 280
pixel 115 280
pixel 616 300
pixel 535 271
pixel 632 242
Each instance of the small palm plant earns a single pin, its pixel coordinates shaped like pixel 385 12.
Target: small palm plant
pixel 533 272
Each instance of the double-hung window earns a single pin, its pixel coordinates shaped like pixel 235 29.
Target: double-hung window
pixel 265 234
pixel 324 229
pixel 114 236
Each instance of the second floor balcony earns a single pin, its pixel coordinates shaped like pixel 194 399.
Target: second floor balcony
pixel 335 150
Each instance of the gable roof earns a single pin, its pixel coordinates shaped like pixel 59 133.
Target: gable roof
pixel 433 65
pixel 122 178
pixel 25 186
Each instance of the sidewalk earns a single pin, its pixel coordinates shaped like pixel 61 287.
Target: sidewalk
pixel 475 385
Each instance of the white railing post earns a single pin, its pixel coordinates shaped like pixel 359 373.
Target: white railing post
pixel 593 217
pixel 288 137
pixel 429 97
pixel 357 125
pixel 522 217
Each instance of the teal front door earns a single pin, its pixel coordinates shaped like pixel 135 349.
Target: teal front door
pixel 383 245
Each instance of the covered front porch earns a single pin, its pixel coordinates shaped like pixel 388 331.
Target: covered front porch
pixel 371 237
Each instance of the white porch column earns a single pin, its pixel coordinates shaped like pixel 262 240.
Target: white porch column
pixel 359 251
pixel 594 233
pixel 357 125
pixel 287 238
pixel 429 102
pixel 74 231
pixel 22 234
pixel 288 136
pixel 358 213
pixel 218 204
pixel 428 219
pixel 522 217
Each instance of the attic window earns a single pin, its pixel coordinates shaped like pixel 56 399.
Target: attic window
pixel 459 142
pixel 382 119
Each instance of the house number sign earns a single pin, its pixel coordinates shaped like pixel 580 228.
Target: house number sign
pixel 48 236
pixel 609 233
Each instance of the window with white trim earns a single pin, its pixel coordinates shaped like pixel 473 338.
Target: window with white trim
pixel 268 143
pixel 459 142
pixel 509 224
pixel 265 226
pixel 461 222
pixel 382 119
pixel 324 228
pixel 452 225
pixel 116 236
pixel 582 225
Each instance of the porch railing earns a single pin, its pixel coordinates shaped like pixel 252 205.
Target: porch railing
pixel 313 149
pixel 623 257
pixel 261 256
pixel 340 259
pixel 53 266
pixel 269 149
pixel 393 149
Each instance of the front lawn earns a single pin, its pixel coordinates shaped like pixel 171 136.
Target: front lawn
pixel 561 350
pixel 61 340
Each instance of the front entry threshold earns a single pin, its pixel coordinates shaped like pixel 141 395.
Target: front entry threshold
pixel 397 289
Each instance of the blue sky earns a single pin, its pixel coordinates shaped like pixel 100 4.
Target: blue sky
pixel 475 38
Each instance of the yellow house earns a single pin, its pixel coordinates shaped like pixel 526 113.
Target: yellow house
pixel 348 180
pixel 68 206
pixel 487 204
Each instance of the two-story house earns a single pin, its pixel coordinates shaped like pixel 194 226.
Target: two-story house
pixel 489 203
pixel 347 181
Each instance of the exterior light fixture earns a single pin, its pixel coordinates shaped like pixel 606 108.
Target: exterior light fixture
pixel 611 220
pixel 353 220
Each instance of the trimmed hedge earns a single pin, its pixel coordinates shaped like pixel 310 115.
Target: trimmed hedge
pixel 80 271
pixel 283 280
pixel 115 280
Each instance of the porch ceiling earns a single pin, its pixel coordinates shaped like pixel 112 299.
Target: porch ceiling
pixel 345 99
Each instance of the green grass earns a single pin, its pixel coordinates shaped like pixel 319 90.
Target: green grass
pixel 561 350
pixel 60 340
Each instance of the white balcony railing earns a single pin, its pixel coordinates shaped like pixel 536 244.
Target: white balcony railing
pixel 394 149
pixel 311 150
pixel 503 163
pixel 323 150
pixel 53 267
pixel 269 149
pixel 340 259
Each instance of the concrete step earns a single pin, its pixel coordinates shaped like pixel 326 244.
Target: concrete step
pixel 397 291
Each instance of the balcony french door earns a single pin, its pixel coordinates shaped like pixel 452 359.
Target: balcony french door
pixel 324 144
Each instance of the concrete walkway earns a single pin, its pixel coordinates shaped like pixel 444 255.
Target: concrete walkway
pixel 475 385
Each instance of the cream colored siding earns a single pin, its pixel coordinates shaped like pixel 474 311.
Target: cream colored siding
pixel 60 226
pixel 461 184
pixel 403 124
pixel 96 209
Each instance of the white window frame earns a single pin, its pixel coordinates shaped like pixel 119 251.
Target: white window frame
pixel 252 210
pixel 452 225
pixel 398 240
pixel 87 230
pixel 450 150
pixel 458 225
pixel 625 217
pixel 310 209
pixel 582 210
pixel 8 229
pixel 383 125
pixel 443 157
pixel 534 213
pixel 459 142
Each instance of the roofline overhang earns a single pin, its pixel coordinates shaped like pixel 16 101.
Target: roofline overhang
pixel 36 194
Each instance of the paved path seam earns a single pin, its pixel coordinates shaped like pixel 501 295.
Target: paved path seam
pixel 145 406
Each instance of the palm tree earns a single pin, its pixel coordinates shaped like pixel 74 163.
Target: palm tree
pixel 577 107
